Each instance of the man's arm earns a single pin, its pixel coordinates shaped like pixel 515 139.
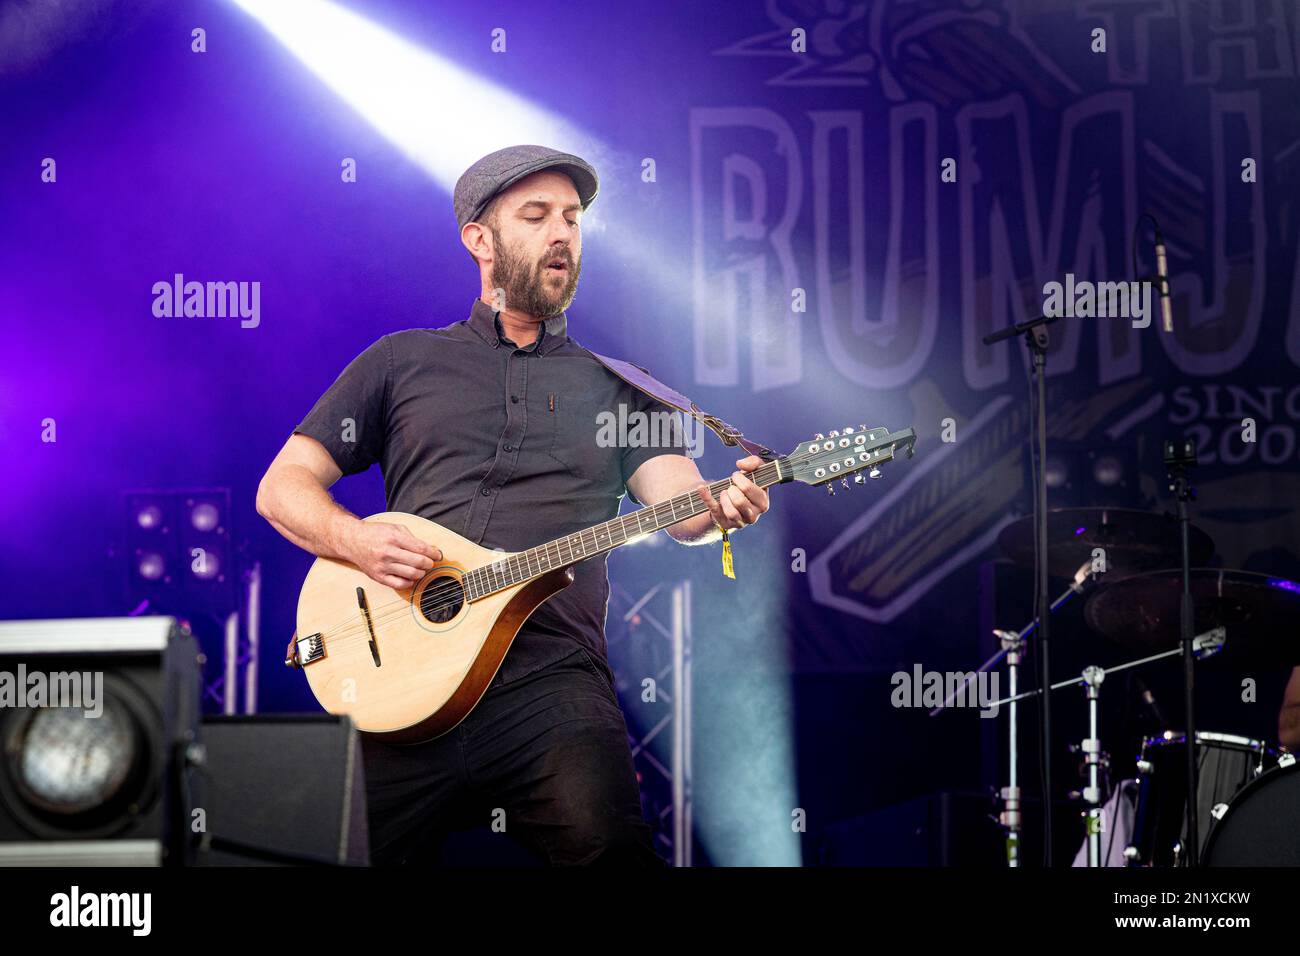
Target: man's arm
pixel 293 496
pixel 665 476
pixel 1288 720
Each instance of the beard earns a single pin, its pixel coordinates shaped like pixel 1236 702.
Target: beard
pixel 530 287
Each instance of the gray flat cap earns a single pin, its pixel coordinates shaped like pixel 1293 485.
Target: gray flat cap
pixel 495 171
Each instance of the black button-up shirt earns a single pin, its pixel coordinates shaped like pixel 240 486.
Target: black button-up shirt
pixel 498 444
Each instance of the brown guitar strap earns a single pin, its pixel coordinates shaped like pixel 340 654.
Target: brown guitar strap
pixel 642 380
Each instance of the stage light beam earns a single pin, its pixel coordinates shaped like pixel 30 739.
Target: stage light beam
pixel 441 116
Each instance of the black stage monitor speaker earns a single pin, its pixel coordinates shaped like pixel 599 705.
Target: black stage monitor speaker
pixel 283 790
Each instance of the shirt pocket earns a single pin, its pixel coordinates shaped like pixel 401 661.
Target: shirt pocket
pixel 577 437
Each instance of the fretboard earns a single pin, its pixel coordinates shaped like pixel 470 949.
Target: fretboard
pixel 603 537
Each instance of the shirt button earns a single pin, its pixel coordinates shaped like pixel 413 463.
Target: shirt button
pixel 510 447
pixel 514 399
pixel 486 492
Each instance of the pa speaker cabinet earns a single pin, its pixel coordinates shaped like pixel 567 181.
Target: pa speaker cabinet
pixel 283 790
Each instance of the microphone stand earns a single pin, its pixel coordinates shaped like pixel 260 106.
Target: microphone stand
pixel 1035 335
pixel 1180 458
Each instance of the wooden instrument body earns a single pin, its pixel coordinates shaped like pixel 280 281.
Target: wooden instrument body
pixel 430 673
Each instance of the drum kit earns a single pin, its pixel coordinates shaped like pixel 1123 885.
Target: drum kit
pixel 1236 800
pixel 1247 791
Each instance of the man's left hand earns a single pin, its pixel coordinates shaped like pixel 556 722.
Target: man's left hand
pixel 742 503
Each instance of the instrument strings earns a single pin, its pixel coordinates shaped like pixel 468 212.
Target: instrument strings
pixel 451 594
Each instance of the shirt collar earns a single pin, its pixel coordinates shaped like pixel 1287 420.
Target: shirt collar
pixel 483 320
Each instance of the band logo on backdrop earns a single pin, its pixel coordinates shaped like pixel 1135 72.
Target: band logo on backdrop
pixel 956 161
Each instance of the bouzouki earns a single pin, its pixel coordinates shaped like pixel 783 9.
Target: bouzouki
pixel 407 666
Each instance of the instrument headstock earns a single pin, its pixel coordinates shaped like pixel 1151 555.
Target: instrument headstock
pixel 824 458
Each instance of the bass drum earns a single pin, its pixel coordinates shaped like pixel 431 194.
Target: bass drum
pixel 1258 827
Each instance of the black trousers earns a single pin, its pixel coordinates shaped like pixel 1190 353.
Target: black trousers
pixel 544 759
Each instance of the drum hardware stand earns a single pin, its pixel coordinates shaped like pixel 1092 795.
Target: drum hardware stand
pixel 1013 644
pixel 1092 677
pixel 1203 646
pixel 1035 333
pixel 1180 458
pixel 1013 649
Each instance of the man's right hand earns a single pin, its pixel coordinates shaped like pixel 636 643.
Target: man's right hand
pixel 390 554
pixel 293 495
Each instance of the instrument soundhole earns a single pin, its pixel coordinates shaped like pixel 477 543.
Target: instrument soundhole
pixel 441 599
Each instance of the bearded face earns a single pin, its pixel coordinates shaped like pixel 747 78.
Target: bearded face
pixel 544 286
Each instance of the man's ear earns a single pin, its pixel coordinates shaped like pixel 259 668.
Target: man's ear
pixel 477 239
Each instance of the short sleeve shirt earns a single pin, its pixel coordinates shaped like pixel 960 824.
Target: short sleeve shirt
pixel 502 445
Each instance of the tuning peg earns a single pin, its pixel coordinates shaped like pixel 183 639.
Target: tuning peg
pixel 832 434
pixel 858 479
pixel 830 488
pixel 848 429
pixel 818 437
pixel 874 472
pixel 844 482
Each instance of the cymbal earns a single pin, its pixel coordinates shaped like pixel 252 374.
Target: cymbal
pixel 1133 540
pixel 1261 613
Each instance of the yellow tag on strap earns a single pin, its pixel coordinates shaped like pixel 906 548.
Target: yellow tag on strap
pixel 727 567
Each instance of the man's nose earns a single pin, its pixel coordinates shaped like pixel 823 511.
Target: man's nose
pixel 557 232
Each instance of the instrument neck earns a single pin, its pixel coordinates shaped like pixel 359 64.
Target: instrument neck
pixel 606 536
